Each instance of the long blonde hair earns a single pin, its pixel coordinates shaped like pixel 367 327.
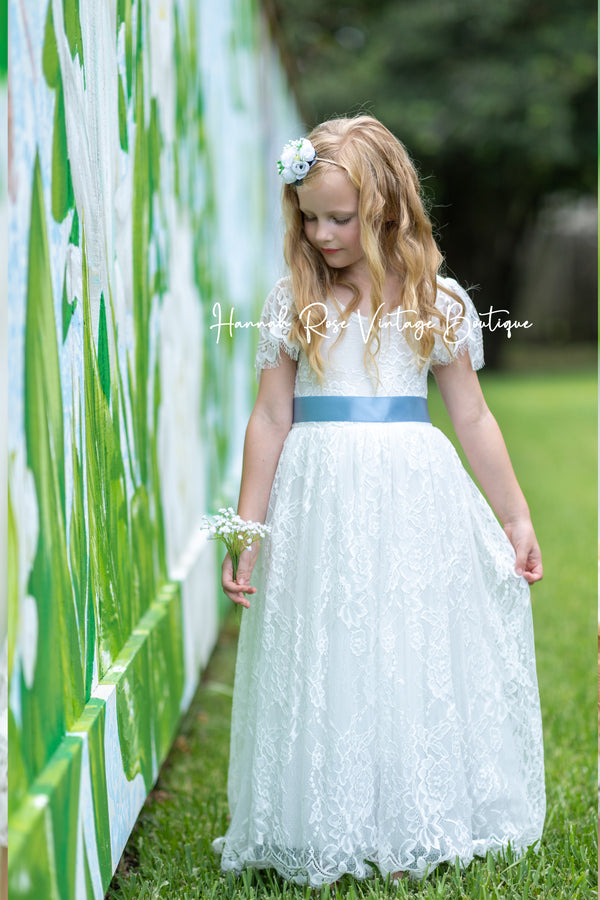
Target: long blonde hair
pixel 395 234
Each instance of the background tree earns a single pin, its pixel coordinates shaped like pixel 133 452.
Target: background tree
pixel 496 103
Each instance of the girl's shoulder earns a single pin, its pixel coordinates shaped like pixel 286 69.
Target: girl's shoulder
pixel 275 326
pixel 280 300
pixel 461 325
pixel 446 284
pixel 283 287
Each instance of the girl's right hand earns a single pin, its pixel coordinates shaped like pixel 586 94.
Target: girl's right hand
pixel 236 590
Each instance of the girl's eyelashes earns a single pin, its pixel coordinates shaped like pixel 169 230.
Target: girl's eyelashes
pixel 333 219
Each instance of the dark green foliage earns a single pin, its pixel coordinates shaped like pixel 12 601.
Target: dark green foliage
pixel 496 102
pixel 467 77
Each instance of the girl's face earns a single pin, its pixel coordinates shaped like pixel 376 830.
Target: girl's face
pixel 329 207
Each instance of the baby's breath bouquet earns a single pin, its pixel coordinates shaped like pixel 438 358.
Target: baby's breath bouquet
pixel 237 534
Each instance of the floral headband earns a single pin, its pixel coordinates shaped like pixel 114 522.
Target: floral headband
pixel 297 157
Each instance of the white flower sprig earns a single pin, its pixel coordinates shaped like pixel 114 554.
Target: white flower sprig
pixel 237 534
pixel 296 159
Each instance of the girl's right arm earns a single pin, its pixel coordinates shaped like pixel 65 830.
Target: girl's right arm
pixel 268 427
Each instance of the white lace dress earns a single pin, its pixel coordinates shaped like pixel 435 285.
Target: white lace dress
pixel 386 709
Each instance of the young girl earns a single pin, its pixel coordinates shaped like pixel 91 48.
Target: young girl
pixel 386 712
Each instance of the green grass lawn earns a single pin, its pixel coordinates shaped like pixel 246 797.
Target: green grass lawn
pixel 549 422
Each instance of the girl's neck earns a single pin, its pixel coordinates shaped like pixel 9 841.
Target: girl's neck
pixel 391 291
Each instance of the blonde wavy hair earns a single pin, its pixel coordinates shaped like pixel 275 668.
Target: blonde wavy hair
pixel 395 233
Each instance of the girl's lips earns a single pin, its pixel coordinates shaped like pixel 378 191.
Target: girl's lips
pixel 329 250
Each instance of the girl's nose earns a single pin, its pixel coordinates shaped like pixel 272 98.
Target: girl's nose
pixel 323 232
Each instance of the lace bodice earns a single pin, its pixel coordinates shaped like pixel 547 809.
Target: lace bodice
pixel 345 343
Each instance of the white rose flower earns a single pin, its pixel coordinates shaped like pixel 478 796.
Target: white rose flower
pixel 288 176
pixel 288 155
pixel 306 151
pixel 300 168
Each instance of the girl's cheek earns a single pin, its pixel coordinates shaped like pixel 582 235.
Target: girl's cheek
pixel 310 234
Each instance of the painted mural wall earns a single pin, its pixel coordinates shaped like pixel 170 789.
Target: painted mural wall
pixel 140 194
pixel 3 456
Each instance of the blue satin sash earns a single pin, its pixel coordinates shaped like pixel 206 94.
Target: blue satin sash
pixel 361 409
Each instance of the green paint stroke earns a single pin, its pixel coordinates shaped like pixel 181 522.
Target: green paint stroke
pixel 62 185
pixel 123 138
pixel 119 391
pixel 149 686
pixel 158 510
pixel 18 769
pixel 78 552
pixel 3 38
pixel 57 696
pixel 134 710
pixel 89 884
pixel 93 722
pixel 74 235
pixel 32 873
pixel 141 294
pixel 67 309
pixel 182 78
pixel 60 783
pixel 166 643
pixel 143 536
pixel 107 507
pixel 12 580
pixel 124 17
pixel 103 354
pixel 50 63
pixel 155 144
pixel 73 29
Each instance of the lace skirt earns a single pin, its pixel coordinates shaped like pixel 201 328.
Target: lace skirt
pixel 386 709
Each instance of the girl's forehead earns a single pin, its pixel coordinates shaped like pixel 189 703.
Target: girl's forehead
pixel 328 190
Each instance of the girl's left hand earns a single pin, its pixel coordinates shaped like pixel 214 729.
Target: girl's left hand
pixel 528 562
pixel 236 590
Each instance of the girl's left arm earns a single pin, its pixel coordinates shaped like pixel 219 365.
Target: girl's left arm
pixel 482 441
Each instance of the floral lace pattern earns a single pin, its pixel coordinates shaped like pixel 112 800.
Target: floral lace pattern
pixel 386 710
pixel 398 374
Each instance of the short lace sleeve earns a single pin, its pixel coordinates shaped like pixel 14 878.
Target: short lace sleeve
pixel 274 328
pixel 467 327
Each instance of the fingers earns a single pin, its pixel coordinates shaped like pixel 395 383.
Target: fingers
pixel 236 595
pixel 534 571
pixel 238 598
pixel 236 590
pixel 529 565
pixel 532 577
